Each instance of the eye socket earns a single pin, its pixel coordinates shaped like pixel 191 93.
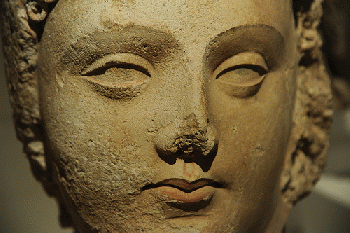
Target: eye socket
pixel 119 75
pixel 241 75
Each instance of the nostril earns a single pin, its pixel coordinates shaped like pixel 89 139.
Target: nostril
pixel 191 154
pixel 185 139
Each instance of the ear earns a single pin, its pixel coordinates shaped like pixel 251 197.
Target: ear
pixel 308 144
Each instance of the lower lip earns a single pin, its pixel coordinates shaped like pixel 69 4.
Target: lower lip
pixel 201 194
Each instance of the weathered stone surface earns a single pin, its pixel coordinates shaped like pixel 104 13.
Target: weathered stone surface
pixel 179 116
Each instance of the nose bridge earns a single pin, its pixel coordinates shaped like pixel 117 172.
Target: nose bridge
pixel 197 102
pixel 195 96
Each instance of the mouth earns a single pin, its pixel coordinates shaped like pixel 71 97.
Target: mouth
pixel 184 185
pixel 184 195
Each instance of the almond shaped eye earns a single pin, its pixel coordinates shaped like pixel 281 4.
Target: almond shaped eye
pixel 118 75
pixel 112 67
pixel 241 75
pixel 121 68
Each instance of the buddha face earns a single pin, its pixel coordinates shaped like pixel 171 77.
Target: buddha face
pixel 169 116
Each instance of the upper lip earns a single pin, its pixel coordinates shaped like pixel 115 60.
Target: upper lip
pixel 184 185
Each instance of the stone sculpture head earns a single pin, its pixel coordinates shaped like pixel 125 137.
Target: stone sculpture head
pixel 170 116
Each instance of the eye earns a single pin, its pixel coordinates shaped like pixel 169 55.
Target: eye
pixel 119 75
pixel 241 75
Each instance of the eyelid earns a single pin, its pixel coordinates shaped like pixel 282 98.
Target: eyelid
pixel 247 58
pixel 122 59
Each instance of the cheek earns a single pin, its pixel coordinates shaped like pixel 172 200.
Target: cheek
pixel 101 159
pixel 253 132
pixel 253 135
pixel 94 142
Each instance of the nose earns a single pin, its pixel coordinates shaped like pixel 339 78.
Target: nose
pixel 191 137
pixel 188 140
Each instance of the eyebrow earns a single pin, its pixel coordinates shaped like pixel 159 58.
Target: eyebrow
pixel 259 38
pixel 153 45
pixel 146 42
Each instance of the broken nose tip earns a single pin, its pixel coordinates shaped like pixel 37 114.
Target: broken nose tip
pixel 186 141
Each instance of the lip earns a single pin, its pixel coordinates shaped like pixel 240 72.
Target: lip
pixel 180 190
pixel 176 195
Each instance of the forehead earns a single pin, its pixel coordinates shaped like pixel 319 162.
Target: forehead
pixel 193 23
pixel 202 16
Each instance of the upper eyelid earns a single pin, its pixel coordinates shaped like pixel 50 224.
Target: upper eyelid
pixel 122 58
pixel 246 58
